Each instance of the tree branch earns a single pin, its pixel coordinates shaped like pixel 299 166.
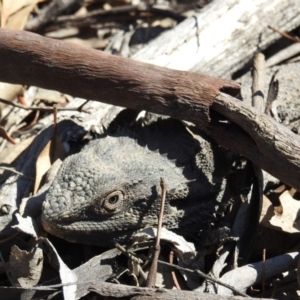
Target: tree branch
pixel 35 60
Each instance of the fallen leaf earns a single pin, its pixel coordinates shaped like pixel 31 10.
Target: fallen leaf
pixel 288 220
pixel 43 164
pixel 67 276
pixel 184 249
pixel 25 267
pixel 52 151
pixel 26 225
pixel 98 269
pixel 9 91
pixel 14 14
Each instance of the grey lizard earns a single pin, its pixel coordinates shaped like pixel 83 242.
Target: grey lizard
pixel 111 189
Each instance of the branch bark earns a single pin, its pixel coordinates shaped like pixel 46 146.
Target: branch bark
pixel 30 59
pixel 119 291
pixel 34 60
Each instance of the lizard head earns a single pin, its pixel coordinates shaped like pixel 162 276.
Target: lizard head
pixel 110 190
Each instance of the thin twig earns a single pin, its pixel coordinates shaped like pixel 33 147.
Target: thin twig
pixel 153 268
pixel 258 82
pixel 128 254
pixel 205 276
pixel 15 171
pixel 101 15
pixel 134 259
pixel 47 109
pixel 2 242
pixel 173 274
pixel 286 35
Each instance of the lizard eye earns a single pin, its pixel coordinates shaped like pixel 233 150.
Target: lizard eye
pixel 113 200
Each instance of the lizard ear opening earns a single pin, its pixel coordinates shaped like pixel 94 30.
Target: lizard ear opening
pixel 113 201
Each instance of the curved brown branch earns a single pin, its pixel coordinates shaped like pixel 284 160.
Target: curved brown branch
pixel 35 60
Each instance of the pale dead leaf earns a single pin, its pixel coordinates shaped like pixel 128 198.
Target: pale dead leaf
pixel 67 276
pixel 32 206
pixel 50 97
pixel 25 267
pixel 43 164
pixel 9 91
pixel 14 14
pixel 53 150
pixel 288 221
pixel 184 249
pixel 97 269
pixel 26 225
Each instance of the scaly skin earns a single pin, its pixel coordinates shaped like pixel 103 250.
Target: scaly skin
pixel 111 189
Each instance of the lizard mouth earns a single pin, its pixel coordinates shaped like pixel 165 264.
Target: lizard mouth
pixel 101 233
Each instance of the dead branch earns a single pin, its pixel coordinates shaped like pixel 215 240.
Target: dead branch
pixel 34 60
pixel 194 45
pixel 119 291
pixel 270 145
pixel 49 13
pixel 251 274
pixel 125 11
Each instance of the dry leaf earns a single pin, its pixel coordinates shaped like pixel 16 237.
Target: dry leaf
pixel 9 91
pixel 32 206
pixel 184 249
pixel 26 225
pixel 67 276
pixel 53 150
pixel 15 13
pixel 25 267
pixel 288 221
pixel 97 269
pixel 43 164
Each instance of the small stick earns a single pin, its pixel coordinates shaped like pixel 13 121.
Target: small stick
pixel 12 170
pixel 128 254
pixel 153 268
pixel 133 258
pixel 173 274
pixel 2 242
pixel 48 109
pixel 258 82
pixel 286 35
